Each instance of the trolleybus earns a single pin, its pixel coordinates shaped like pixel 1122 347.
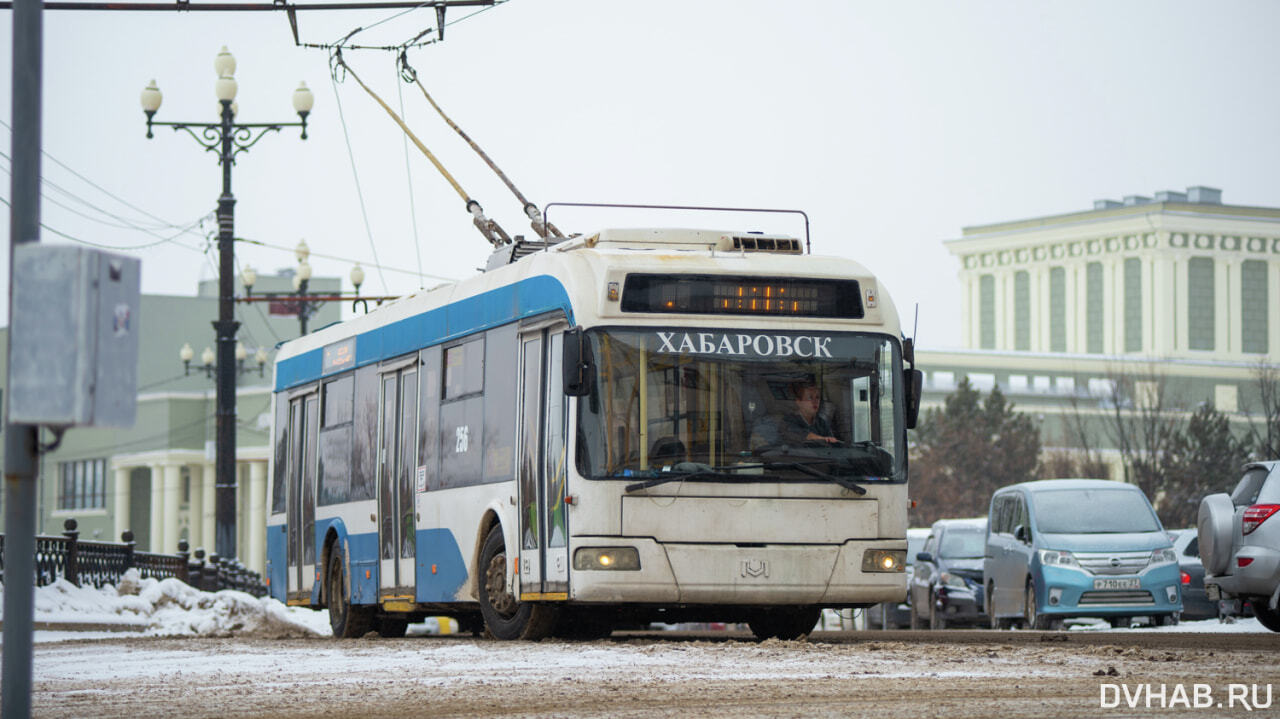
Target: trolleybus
pixel 596 434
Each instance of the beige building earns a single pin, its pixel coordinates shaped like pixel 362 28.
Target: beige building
pixel 1177 284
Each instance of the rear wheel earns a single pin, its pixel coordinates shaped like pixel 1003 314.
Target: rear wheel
pixel 346 620
pixel 1268 617
pixel 784 622
pixel 504 616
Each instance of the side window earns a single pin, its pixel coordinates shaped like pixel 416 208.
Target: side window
pixel 280 460
pixel 464 369
pixel 461 428
pixel 337 410
pixel 1022 518
pixel 1000 516
pixel 1246 492
pixel 930 545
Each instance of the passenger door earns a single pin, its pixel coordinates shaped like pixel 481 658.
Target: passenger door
pixel 397 452
pixel 542 467
pixel 303 421
pixel 998 559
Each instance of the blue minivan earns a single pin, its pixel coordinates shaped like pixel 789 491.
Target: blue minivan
pixel 1061 548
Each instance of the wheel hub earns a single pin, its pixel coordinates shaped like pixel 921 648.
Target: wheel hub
pixel 495 586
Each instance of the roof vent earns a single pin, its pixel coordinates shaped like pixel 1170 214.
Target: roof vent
pixel 1204 195
pixel 766 243
pixel 1171 196
pixel 1106 204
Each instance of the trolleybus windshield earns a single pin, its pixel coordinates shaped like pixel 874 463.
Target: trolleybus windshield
pixel 732 403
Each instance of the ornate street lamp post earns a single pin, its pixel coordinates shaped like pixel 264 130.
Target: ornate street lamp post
pixel 227 138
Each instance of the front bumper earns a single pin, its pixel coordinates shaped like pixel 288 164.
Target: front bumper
pixel 1072 593
pixel 728 574
pixel 1259 578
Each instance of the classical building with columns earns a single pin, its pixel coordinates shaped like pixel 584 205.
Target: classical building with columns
pixel 156 479
pixel 1177 285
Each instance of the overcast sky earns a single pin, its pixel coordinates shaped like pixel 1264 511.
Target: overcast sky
pixel 892 125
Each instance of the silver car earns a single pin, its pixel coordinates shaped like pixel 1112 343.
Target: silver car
pixel 1240 542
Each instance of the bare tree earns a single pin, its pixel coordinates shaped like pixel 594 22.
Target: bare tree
pixel 1144 423
pixel 1266 434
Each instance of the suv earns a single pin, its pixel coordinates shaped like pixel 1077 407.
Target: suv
pixel 1061 548
pixel 946 586
pixel 1239 547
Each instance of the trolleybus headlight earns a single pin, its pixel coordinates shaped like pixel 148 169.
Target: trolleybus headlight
pixel 884 560
pixel 611 558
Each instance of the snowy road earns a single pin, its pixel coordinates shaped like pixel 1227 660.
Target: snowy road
pixel 956 674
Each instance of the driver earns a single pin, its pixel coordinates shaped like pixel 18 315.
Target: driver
pixel 801 425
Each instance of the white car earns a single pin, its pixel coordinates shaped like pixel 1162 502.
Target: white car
pixel 1240 545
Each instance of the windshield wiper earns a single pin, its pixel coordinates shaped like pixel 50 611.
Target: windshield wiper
pixel 804 468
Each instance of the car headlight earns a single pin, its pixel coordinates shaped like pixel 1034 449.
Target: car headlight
pixel 952 580
pixel 1163 556
pixel 1056 558
pixel 884 560
pixel 607 558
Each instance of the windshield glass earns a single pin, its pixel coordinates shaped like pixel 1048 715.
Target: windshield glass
pixel 1094 511
pixel 742 402
pixel 963 544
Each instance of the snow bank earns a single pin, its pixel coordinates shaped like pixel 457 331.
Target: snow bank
pixel 168 607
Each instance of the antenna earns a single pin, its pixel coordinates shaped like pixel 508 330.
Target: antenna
pixel 915 324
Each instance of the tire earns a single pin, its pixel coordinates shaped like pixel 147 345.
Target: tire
pixel 505 617
pixel 392 627
pixel 346 620
pixel 784 622
pixel 936 620
pixel 1032 618
pixel 1268 617
pixel 1215 529
pixel 1166 620
pixel 996 622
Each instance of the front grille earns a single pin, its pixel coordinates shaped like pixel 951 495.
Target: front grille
pixel 1113 562
pixel 1112 597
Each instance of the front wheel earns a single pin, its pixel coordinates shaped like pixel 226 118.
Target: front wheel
pixel 1267 617
pixel 784 622
pixel 1034 619
pixel 345 619
pixel 505 616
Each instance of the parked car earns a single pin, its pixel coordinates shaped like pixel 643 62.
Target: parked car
pixel 1195 603
pixel 897 615
pixel 1060 548
pixel 1240 547
pixel 946 585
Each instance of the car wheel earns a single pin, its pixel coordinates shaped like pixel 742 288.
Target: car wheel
pixel 1215 527
pixel 784 622
pixel 991 609
pixel 1268 617
pixel 504 616
pixel 936 620
pixel 1165 620
pixel 346 620
pixel 1031 618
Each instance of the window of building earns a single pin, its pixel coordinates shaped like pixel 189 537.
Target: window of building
pixel 82 484
pixel 1057 309
pixel 1093 308
pixel 1253 306
pixel 1133 305
pixel 1021 310
pixel 987 312
pixel 1200 311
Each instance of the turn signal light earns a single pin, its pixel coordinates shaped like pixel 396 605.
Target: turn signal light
pixel 608 558
pixel 1256 515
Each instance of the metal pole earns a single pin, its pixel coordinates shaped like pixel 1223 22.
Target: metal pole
pixel 225 332
pixel 20 440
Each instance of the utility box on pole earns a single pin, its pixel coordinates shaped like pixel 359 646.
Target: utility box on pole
pixel 73 346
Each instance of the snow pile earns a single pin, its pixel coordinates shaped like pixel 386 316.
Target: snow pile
pixel 168 607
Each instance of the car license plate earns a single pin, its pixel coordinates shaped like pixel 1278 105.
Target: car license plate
pixel 1212 592
pixel 1129 583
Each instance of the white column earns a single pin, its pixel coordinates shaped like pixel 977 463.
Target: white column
pixel 122 501
pixel 1222 290
pixel 196 508
pixel 1273 308
pixel 155 533
pixel 207 489
pixel 255 556
pixel 172 499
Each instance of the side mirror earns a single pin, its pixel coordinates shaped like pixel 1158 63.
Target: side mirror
pixel 924 557
pixel 578 365
pixel 914 388
pixel 1022 534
